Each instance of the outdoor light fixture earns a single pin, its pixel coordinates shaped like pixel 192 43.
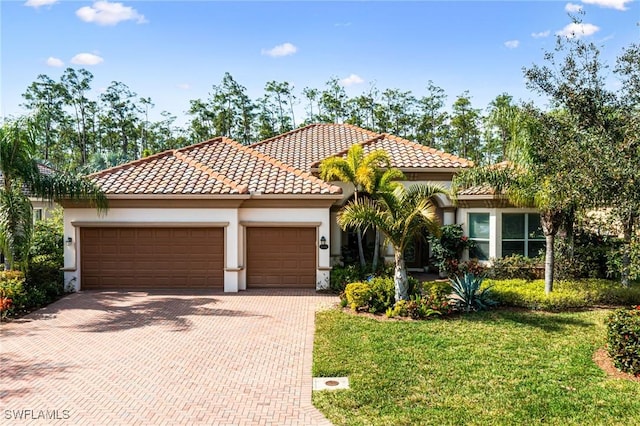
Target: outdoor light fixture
pixel 323 243
pixel 69 241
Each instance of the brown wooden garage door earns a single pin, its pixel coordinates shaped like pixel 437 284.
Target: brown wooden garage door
pixel 127 258
pixel 281 257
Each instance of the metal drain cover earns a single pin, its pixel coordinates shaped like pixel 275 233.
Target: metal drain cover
pixel 330 383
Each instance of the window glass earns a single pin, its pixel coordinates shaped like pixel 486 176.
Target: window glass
pixel 512 226
pixel 535 248
pixel 37 215
pixel 480 251
pixel 479 225
pixel 535 230
pixel 512 247
pixel 521 234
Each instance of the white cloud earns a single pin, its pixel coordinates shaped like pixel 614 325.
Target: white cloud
pixel 284 49
pixel 86 59
pixel 611 4
pixel 572 7
pixel 184 86
pixel 512 44
pixel 105 13
pixel 54 62
pixel 39 3
pixel 351 80
pixel 578 30
pixel 541 34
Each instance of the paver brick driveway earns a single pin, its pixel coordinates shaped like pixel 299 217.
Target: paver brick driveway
pixel 99 358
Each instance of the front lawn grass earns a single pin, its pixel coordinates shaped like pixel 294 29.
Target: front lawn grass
pixel 499 367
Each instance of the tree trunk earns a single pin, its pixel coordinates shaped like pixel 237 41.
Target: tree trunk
pixel 626 253
pixel 363 263
pixel 400 277
pixel 549 264
pixel 376 252
pixel 550 221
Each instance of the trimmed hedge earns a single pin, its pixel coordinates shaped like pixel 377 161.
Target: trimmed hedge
pixel 623 338
pixel 569 294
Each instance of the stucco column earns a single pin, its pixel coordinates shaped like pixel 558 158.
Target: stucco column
pixel 335 243
pixel 449 216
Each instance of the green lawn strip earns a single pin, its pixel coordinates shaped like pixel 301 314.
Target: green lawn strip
pixel 499 367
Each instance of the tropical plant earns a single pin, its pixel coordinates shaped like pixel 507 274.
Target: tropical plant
pixel 383 181
pixel 468 294
pixel 359 170
pixel 447 248
pixel 21 176
pixel 400 215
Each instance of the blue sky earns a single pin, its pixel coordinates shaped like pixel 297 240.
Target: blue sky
pixel 175 51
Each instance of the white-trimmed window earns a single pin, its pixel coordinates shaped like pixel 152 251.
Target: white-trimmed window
pixel 479 232
pixel 522 234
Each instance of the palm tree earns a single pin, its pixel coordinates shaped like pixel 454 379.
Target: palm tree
pixel 527 179
pixel 19 175
pixel 383 181
pixel 400 215
pixel 358 170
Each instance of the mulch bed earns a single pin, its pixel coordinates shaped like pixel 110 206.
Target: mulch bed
pixel 604 361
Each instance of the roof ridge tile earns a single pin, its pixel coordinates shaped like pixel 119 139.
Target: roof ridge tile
pixel 429 149
pixel 283 166
pixel 346 150
pixel 282 135
pixel 185 158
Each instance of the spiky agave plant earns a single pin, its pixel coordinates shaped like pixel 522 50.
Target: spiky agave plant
pixel 468 295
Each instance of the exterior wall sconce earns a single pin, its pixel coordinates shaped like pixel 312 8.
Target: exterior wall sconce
pixel 323 243
pixel 69 242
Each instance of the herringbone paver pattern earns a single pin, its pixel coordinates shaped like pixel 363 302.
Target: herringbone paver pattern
pixel 102 358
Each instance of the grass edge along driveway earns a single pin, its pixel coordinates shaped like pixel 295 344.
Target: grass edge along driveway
pixel 498 367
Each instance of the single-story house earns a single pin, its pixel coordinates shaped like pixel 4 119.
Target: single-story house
pixel 222 215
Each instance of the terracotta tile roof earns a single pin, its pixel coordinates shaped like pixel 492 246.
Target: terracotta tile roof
pixel 306 147
pixel 409 155
pixel 219 166
pixel 478 190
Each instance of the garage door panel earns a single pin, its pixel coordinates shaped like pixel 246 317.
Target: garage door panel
pixel 281 257
pixel 122 258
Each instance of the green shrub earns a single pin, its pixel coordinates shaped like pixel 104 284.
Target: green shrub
pixel 469 294
pixel 516 267
pixel 623 338
pixel 382 294
pixel 419 307
pixel 12 293
pixel 447 248
pixel 340 276
pixel 437 289
pixel 377 294
pixel 47 242
pixel 358 295
pixel 569 294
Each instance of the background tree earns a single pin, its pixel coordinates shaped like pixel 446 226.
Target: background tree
pixel 606 149
pixel 464 139
pixel 432 124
